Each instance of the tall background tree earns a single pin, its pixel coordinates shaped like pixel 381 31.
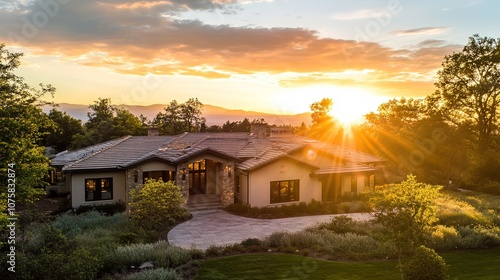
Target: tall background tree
pixel 451 135
pixel 61 134
pixel 179 118
pixel 22 123
pixel 468 97
pixel 107 122
pixel 324 127
pixel 468 88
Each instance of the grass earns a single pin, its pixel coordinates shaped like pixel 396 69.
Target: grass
pixel 476 264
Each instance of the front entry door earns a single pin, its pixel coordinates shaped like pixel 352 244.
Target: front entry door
pixel 197 177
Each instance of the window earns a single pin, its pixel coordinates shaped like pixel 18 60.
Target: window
pixel 98 189
pixel 284 191
pixel 354 184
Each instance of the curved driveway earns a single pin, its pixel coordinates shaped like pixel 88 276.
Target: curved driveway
pixel 217 227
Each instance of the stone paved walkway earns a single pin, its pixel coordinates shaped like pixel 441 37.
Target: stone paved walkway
pixel 217 227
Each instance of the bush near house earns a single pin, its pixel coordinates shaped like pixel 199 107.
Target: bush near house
pixel 349 205
pixel 156 205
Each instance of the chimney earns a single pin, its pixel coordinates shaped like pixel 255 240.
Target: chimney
pixel 259 130
pixel 153 131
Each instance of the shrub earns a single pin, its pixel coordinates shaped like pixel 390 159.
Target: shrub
pixel 480 236
pixel 63 206
pixel 155 274
pixel 250 242
pixel 454 212
pixel 425 264
pixel 72 225
pixel 77 264
pixel 345 224
pixel 407 209
pixel 160 253
pixel 107 209
pixel 445 237
pixel 128 238
pixel 157 205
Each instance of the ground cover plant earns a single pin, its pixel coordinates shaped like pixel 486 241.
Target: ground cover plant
pixel 92 246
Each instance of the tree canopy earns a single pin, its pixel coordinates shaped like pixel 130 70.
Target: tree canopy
pixel 21 129
pixel 61 134
pixel 178 118
pixel 468 88
pixel 107 122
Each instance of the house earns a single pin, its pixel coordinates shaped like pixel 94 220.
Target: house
pixel 260 168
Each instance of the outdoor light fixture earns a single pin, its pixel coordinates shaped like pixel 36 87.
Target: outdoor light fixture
pixel 183 172
pixel 229 170
pixel 136 176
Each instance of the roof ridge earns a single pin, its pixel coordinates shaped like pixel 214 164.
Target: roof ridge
pixel 118 141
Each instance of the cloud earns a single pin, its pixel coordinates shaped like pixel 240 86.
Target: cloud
pixel 143 37
pixel 421 31
pixel 360 14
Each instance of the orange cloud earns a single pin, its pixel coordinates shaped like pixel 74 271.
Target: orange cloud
pixel 139 37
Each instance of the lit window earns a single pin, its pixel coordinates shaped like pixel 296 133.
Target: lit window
pixel 285 191
pixel 98 189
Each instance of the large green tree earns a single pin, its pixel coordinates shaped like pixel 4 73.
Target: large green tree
pixel 61 135
pixel 107 122
pixel 178 118
pixel 22 122
pixel 468 88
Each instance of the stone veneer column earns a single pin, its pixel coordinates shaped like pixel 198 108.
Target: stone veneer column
pixel 227 186
pixel 183 184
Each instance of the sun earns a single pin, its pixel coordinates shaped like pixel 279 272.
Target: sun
pixel 349 104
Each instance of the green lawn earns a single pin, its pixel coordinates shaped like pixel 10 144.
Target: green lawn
pixel 480 264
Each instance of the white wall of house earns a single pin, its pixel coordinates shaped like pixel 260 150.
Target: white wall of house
pixel 242 195
pixel 345 184
pixel 78 187
pixel 284 169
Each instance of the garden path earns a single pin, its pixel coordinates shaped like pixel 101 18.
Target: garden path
pixel 218 227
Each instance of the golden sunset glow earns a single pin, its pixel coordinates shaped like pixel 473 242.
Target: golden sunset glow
pixel 349 104
pixel 268 56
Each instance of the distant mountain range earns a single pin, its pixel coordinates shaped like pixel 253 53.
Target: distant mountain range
pixel 215 115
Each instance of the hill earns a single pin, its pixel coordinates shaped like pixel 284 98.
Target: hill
pixel 215 115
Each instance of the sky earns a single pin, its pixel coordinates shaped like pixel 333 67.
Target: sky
pixel 274 56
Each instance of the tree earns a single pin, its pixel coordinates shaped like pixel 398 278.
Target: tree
pixel 21 130
pixel 61 135
pixel 415 140
pixel 320 111
pixel 107 122
pixel 179 118
pixel 191 113
pixel 324 127
pixel 157 205
pixel 125 123
pixel 407 210
pixel 468 88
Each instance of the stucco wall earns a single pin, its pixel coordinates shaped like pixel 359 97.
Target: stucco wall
pixel 156 166
pixel 242 196
pixel 78 187
pixel 284 169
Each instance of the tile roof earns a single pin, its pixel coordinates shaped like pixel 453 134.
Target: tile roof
pixel 250 152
